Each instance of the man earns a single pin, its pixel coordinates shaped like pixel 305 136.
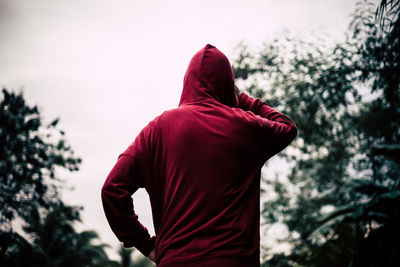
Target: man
pixel 200 163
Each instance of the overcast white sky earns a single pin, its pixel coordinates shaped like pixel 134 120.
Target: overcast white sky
pixel 107 68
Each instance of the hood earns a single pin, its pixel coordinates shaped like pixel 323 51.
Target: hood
pixel 209 76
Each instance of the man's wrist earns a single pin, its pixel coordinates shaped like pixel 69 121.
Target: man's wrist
pixel 151 243
pixel 152 255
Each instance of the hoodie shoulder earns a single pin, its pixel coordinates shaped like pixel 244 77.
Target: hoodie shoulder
pixel 165 116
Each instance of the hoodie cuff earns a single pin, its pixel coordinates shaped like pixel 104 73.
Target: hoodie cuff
pixel 144 247
pixel 150 245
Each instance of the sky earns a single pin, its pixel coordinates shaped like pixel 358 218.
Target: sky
pixel 107 68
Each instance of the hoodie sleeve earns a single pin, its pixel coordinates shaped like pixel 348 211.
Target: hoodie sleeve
pixel 277 129
pixel 125 178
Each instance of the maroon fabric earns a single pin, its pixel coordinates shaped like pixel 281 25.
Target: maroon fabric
pixel 200 163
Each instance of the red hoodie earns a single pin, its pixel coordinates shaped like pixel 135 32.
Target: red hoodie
pixel 200 163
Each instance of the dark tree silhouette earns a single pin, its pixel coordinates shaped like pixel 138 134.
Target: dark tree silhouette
pixel 30 154
pixel 29 195
pixel 127 258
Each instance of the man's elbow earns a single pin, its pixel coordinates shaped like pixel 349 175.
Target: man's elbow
pixel 289 136
pixel 106 189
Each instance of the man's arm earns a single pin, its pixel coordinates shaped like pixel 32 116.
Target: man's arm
pixel 124 179
pixel 279 129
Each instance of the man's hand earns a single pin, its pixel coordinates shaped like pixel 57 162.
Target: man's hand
pixel 152 255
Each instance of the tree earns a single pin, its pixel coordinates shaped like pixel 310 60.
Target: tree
pixel 29 157
pixel 29 195
pixel 345 102
pixel 126 258
pixel 309 82
pixel 51 240
pixel 375 197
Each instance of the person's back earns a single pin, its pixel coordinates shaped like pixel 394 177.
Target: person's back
pixel 200 164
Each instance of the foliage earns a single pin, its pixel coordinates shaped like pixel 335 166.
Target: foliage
pixel 345 102
pixel 29 195
pixel 310 84
pixel 28 159
pixel 126 255
pixel 51 240
pixel 376 196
